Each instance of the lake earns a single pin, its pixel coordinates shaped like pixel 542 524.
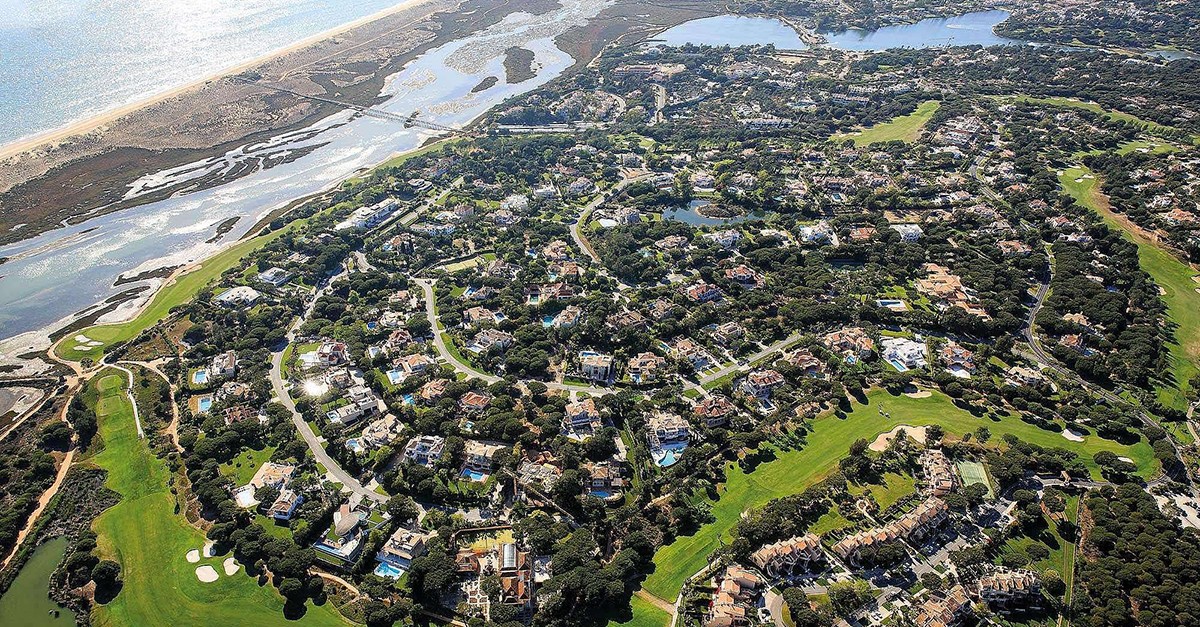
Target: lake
pixel 963 30
pixel 26 603
pixel 58 273
pixel 732 30
pixel 691 214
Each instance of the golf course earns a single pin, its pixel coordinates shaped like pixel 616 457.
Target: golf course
pixel 795 470
pixel 905 128
pixel 150 541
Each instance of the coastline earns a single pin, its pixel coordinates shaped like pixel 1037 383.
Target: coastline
pixel 82 127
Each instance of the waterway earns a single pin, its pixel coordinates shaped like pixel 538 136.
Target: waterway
pixel 61 272
pixel 26 602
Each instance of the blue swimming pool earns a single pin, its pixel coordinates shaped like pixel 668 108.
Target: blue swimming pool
pixel 409 400
pixel 204 404
pixel 547 321
pixel 391 571
pixel 668 454
pixel 395 376
pixel 473 475
pixel 354 445
pixel 200 377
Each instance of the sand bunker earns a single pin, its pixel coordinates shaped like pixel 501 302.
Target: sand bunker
pixel 1126 459
pixel 919 394
pixel 208 548
pixel 1072 436
pixel 881 442
pixel 193 556
pixel 231 566
pixel 206 573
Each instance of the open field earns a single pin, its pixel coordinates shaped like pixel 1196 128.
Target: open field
pixel 894 487
pixel 150 541
pixel 179 291
pixel 904 128
pixel 645 614
pixel 243 467
pixel 1062 551
pixel 1172 275
pixel 793 471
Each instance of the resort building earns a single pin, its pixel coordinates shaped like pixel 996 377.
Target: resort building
pixel 911 527
pixel 948 610
pixel 737 590
pixel 788 557
pixel 938 472
pixel 1010 589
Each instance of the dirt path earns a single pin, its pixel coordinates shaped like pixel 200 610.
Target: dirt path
pixel 43 501
pixel 657 602
pixel 172 428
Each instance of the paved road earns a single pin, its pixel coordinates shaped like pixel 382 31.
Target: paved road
pixel 586 212
pixel 439 342
pixel 746 363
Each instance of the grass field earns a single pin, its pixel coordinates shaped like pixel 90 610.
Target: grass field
pixel 793 471
pixel 145 535
pixel 645 614
pixel 894 487
pixel 1062 554
pixel 1171 274
pixel 1115 116
pixel 906 128
pixel 178 292
pixel 974 472
pixel 243 467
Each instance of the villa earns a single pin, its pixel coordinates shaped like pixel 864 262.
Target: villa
pixel 595 366
pixel 240 296
pixel 344 539
pixel 665 428
pixel 473 402
pixel 275 277
pixel 806 363
pixel 760 383
pixel 270 474
pixel 361 401
pixel 331 353
pixel 1007 589
pixel 424 450
pixel 959 361
pixel 715 411
pixel 693 352
pixel 381 432
pixel 567 318
pixel 704 293
pixel 908 232
pixel 645 367
pixel 727 238
pixel 604 480
pixel 476 315
pixel 626 319
pixel 582 417
pixel 489 339
pixel 285 504
pixel 938 472
pixel 727 332
pixel 433 390
pixel 851 343
pixel 397 554
pixel 903 353
pixel 478 459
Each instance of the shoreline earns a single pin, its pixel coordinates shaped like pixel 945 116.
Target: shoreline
pixel 82 127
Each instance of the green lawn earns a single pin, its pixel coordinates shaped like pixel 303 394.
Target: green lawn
pixel 894 487
pixel 906 128
pixel 831 437
pixel 1061 558
pixel 1115 116
pixel 1172 275
pixel 645 614
pixel 974 472
pixel 178 292
pixel 150 540
pixel 243 467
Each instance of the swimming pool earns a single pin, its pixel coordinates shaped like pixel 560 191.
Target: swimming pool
pixel 391 571
pixel 473 475
pixel 547 321
pixel 408 398
pixel 396 377
pixel 200 377
pixel 354 445
pixel 204 404
pixel 668 454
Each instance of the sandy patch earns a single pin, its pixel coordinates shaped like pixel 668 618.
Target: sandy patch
pixel 881 442
pixel 208 546
pixel 919 394
pixel 206 573
pixel 193 556
pixel 231 566
pixel 1126 459
pixel 1072 436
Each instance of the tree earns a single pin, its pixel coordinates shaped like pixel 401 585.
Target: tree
pixel 106 573
pixel 801 611
pixel 847 596
pixel 402 508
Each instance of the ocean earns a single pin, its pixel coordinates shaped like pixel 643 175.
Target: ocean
pixel 62 61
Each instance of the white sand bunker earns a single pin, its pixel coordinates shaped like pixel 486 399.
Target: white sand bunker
pixel 231 566
pixel 881 442
pixel 1072 436
pixel 208 546
pixel 193 556
pixel 919 394
pixel 206 573
pixel 1126 459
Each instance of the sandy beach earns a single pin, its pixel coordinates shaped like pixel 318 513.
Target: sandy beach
pixel 81 127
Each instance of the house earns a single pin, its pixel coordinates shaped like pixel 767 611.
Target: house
pixel 704 293
pixel 433 390
pixel 1012 248
pixel 473 402
pixel 760 383
pixel 240 296
pixel 370 216
pixel 626 319
pixel 404 546
pixel 397 341
pixel 361 401
pixel 424 450
pixel 736 592
pixel 239 413
pixel 489 339
pixel 478 459
pixel 1023 375
pixel 645 367
pixel 806 363
pixel 476 315
pixel 541 471
pixel 726 238
pixel 516 577
pixel 948 610
pixel 693 352
pixel 1010 589
pixel 908 232
pixel 958 359
pixel 344 539
pixel 715 411
pixel 911 527
pixel 604 480
pixel 903 353
pixel 381 432
pixel 415 364
pixel 744 276
pixel 727 332
pixel 819 233
pixel 596 366
pixel 863 233
pixel 582 417
pixel 665 427
pixel 331 353
pixel 284 506
pixel 567 318
pixel 557 250
pixel 788 557
pixel 851 343
pixel 223 365
pixel 938 472
pixel 660 309
pixel 275 277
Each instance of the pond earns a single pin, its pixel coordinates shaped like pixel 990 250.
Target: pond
pixel 962 30
pixel 732 30
pixel 693 214
pixel 26 603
